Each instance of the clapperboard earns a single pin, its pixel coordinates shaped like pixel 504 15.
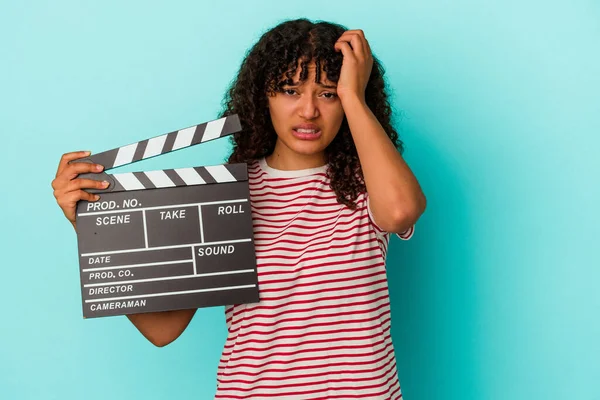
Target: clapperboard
pixel 168 239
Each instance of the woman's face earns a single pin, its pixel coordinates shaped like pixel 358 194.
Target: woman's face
pixel 306 116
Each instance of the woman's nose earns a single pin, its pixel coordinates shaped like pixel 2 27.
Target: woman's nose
pixel 308 107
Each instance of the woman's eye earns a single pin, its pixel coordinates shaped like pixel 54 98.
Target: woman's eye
pixel 286 91
pixel 331 95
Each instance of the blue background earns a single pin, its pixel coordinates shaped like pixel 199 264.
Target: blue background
pixel 498 104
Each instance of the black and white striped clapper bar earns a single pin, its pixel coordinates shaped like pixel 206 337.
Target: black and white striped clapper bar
pixel 168 239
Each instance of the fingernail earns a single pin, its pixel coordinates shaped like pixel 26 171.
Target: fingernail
pixel 96 197
pixel 99 167
pixel 87 152
pixel 105 183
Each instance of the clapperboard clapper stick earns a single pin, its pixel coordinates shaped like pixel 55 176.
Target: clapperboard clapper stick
pixel 168 239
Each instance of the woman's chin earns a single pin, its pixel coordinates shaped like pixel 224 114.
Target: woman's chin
pixel 308 148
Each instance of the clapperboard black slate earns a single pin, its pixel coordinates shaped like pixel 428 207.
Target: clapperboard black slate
pixel 167 239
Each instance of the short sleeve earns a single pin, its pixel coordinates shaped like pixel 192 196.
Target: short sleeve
pixel 406 235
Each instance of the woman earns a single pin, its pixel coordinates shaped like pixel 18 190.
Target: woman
pixel 327 187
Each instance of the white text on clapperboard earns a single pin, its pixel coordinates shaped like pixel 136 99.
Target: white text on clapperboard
pixel 119 280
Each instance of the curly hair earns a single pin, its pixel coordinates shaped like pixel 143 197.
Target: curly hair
pixel 276 54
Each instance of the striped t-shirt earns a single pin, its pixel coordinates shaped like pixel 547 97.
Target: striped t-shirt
pixel 322 327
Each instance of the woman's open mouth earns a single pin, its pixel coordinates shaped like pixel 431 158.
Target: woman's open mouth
pixel 307 134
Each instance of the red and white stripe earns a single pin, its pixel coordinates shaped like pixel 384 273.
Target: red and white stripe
pixel 322 327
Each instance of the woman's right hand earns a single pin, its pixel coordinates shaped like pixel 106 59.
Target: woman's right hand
pixel 68 188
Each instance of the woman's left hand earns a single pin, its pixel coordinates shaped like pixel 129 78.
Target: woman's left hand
pixel 356 65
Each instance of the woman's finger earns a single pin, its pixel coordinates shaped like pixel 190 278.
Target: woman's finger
pixel 358 46
pixel 72 170
pixel 352 32
pixel 365 43
pixel 355 43
pixel 77 184
pixel 64 160
pixel 345 48
pixel 81 183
